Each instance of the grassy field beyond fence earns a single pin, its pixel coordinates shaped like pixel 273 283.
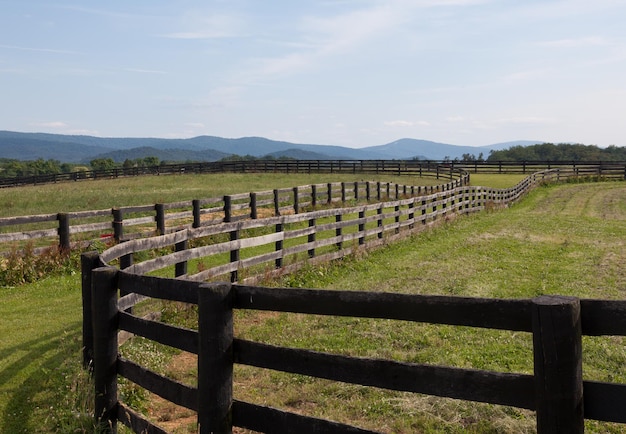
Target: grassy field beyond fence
pixel 567 240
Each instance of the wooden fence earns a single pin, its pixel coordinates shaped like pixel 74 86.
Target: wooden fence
pixel 415 167
pixel 118 223
pixel 556 391
pixel 64 228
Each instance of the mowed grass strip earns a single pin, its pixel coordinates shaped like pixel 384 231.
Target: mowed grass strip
pixel 567 240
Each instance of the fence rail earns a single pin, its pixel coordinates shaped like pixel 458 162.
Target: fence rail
pixel 416 167
pixel 556 391
pixel 124 223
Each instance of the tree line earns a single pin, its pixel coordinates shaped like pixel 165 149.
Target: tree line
pixel 10 168
pixel 559 152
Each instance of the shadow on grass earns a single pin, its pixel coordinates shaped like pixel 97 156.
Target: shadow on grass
pixel 33 380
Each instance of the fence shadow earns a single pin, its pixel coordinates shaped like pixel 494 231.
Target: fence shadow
pixel 43 357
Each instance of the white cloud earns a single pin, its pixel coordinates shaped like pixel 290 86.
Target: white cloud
pixel 51 124
pixel 194 124
pixel 591 41
pixel 60 127
pixel 145 71
pixel 209 25
pixel 38 49
pixel 404 123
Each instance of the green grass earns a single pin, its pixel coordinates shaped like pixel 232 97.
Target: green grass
pixel 566 239
pixel 42 385
pixel 146 190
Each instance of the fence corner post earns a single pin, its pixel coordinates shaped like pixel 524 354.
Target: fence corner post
pixel 89 261
pixel 105 325
pixel 215 358
pixel 557 343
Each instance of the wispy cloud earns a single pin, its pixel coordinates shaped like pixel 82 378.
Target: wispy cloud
pixel 590 41
pixel 39 49
pixel 404 123
pixel 208 25
pixel 60 127
pixel 50 124
pixel 145 71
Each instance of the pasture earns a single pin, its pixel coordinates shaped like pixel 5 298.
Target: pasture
pixel 565 239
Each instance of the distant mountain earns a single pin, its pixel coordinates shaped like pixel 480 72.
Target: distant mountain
pixel 424 149
pixel 75 149
pixel 299 154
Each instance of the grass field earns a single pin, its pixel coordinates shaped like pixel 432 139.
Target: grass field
pixel 567 240
pixel 146 190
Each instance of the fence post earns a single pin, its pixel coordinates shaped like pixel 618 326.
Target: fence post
pixel 105 318
pixel 279 247
pixel 160 218
pixel 89 261
pixel 253 211
pixel 330 193
pixel 196 213
pixel 215 358
pixel 234 236
pixel 276 203
pixel 356 190
pixel 379 221
pixel 296 205
pixel 557 347
pixel 311 238
pixel 64 231
pixel 338 231
pixel 343 192
pixel 361 228
pixel 227 209
pixel 313 195
pixel 368 191
pixel 180 269
pixel 378 194
pixel 412 213
pixel 118 224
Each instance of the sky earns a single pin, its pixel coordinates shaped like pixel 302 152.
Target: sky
pixel 347 73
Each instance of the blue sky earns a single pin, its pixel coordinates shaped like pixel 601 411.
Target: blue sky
pixel 349 73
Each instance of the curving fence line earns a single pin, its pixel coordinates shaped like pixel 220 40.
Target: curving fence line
pixel 66 229
pixel 114 282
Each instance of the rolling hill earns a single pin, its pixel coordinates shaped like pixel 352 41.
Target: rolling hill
pixel 75 149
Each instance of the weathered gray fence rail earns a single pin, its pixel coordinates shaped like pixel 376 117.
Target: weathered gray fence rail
pixel 130 222
pixel 561 399
pixel 125 223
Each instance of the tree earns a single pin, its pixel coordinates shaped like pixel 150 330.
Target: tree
pixel 102 164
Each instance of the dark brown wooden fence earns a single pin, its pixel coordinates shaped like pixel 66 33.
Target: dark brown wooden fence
pixel 415 167
pixel 561 399
pixel 556 391
pixel 66 229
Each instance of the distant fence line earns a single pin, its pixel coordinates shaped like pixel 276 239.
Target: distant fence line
pixel 556 391
pixel 164 218
pixel 416 167
pixel 63 227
